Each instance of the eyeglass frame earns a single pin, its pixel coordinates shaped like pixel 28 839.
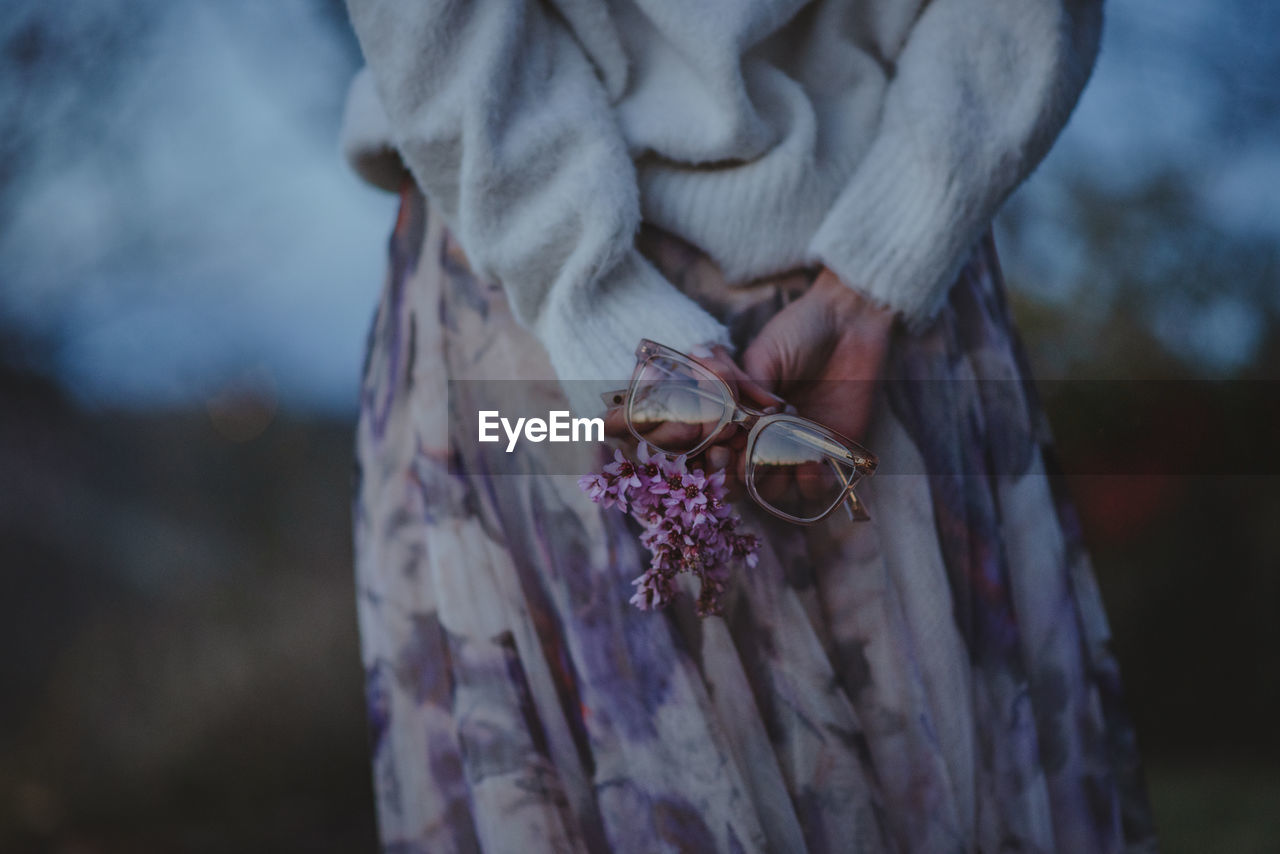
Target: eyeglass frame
pixel 755 421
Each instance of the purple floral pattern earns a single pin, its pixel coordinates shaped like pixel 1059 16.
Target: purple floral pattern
pixel 936 680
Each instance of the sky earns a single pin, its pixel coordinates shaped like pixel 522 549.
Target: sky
pixel 1183 88
pixel 1184 84
pixel 185 220
pixel 179 220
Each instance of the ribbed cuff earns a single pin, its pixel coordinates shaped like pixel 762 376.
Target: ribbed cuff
pixel 901 229
pixel 591 336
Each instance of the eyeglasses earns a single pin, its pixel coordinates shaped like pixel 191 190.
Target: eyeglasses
pixel 796 468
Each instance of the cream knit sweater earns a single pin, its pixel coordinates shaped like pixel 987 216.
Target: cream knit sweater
pixel 877 137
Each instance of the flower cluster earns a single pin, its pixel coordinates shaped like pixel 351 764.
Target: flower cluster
pixel 688 526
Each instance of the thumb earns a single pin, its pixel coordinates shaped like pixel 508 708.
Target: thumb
pixel 760 362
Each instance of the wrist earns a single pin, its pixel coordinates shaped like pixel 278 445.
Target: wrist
pixel 849 308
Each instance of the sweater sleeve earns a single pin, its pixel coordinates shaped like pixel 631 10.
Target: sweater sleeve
pixel 503 122
pixel 979 93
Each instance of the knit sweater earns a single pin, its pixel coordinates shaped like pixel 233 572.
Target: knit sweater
pixel 876 137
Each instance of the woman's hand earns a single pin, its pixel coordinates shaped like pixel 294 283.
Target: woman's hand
pixel 823 354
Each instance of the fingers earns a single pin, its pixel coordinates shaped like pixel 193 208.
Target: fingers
pixel 674 435
pixel 719 457
pixel 750 390
pixel 759 393
pixel 760 362
pixel 615 423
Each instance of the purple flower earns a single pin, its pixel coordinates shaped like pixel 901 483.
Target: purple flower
pixel 593 485
pixel 647 461
pixel 624 471
pixel 653 590
pixel 691 494
pixel 686 524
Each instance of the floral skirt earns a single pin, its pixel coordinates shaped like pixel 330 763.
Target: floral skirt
pixel 935 680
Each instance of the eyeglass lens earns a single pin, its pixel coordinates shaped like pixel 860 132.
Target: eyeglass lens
pixel 675 406
pixel 792 470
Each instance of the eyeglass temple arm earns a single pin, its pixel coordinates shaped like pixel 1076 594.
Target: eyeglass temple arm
pixel 852 505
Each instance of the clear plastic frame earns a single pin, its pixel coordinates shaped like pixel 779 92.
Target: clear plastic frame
pixel 796 468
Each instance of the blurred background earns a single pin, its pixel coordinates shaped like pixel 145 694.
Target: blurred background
pixel 187 271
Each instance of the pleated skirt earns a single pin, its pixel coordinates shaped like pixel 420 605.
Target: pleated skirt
pixel 935 680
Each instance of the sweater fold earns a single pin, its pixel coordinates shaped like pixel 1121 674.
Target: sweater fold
pixel 878 137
